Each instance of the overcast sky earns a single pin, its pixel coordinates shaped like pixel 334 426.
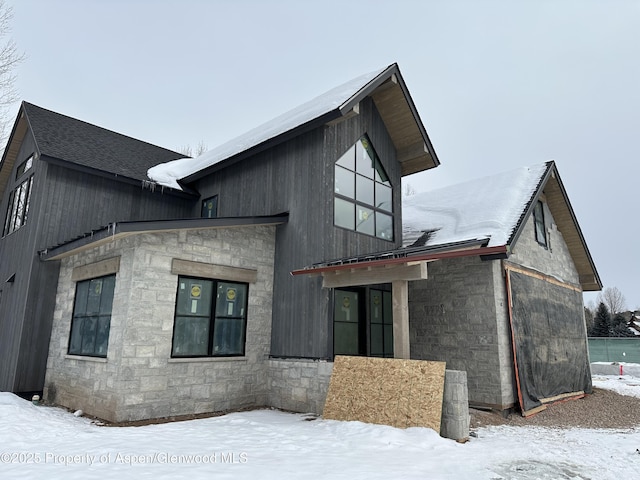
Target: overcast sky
pixel 498 84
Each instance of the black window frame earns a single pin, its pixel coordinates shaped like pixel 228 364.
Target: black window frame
pixel 212 317
pixel 25 166
pixel 539 225
pixel 379 182
pixel 212 199
pixel 80 320
pixel 18 206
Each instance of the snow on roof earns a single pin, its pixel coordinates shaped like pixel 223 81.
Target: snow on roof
pixel 169 173
pixel 487 208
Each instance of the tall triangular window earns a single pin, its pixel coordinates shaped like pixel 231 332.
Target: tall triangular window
pixel 363 195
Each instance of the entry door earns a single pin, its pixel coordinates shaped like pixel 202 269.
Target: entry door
pixel 349 334
pixel 380 323
pixel 363 322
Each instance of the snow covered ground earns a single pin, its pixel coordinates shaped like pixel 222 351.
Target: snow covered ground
pixel 51 443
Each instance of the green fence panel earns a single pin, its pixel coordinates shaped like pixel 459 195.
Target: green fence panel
pixel 611 349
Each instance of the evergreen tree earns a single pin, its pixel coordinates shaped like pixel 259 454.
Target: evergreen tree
pixel 602 323
pixel 619 327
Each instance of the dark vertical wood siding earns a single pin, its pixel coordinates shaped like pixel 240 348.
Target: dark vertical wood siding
pixel 297 176
pixel 64 203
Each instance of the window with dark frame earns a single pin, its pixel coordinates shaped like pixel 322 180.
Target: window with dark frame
pixel 363 195
pixel 18 207
pixel 210 318
pixel 24 167
pixel 210 207
pixel 91 321
pixel 540 228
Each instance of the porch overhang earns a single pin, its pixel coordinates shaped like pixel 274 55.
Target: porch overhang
pixel 401 264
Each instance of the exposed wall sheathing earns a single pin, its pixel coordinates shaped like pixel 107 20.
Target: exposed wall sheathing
pixel 386 391
pixel 549 339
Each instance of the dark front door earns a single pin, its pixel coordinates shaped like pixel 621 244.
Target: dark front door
pixel 363 321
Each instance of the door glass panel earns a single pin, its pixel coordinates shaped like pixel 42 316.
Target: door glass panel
pixel 377 335
pixel 388 340
pixel 345 338
pixel 346 309
pixel 346 323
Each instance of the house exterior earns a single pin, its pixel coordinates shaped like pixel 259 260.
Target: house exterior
pixel 333 168
pixel 479 312
pixel 233 279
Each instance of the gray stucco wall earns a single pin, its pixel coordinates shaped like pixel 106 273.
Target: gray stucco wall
pixel 139 379
pixel 460 313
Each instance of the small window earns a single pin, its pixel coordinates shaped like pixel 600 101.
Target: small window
pixel 91 320
pixel 210 207
pixel 24 167
pixel 210 318
pixel 538 218
pixel 362 192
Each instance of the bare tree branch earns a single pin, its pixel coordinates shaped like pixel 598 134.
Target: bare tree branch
pixel 10 58
pixel 613 299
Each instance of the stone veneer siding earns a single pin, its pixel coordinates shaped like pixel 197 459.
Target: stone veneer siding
pixel 459 315
pixel 139 379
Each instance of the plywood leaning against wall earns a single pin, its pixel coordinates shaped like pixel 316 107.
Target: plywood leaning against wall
pixel 386 391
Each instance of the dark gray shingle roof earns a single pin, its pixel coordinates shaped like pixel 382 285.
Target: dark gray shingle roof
pixel 71 140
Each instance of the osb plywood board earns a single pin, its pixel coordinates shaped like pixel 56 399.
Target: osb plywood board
pixel 386 391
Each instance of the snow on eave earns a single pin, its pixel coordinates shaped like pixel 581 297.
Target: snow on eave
pixel 170 173
pixel 487 208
